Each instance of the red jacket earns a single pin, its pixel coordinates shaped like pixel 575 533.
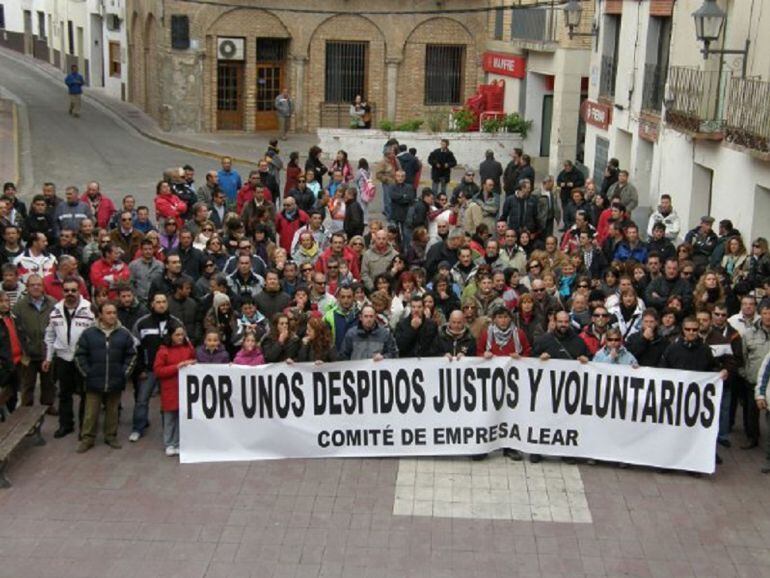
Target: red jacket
pixel 347 253
pixel 105 211
pixel 166 370
pixel 52 286
pixel 170 207
pixel 104 274
pixel 510 347
pixel 285 228
pixel 593 342
pixel 246 195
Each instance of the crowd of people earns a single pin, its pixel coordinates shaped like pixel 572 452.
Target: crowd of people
pixel 289 264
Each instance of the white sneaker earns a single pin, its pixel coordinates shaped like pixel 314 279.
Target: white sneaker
pixel 134 437
pixel 170 451
pixel 176 451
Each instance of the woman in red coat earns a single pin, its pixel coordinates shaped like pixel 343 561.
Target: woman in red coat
pixel 168 205
pixel 175 353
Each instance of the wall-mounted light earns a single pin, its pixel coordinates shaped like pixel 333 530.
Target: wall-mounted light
pixel 573 12
pixel 709 21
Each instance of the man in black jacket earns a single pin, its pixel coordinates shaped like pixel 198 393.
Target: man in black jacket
pixel 647 345
pixel 422 209
pixel 441 161
pixel 668 284
pixel 416 333
pixel 511 174
pixel 455 339
pixel 562 343
pixel 569 178
pixel 444 251
pixel 402 197
pixel 491 169
pixel 520 211
pixel 409 163
pixel 149 332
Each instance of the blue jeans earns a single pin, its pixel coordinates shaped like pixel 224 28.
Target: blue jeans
pixel 724 414
pixel 142 396
pixel 439 186
pixel 386 201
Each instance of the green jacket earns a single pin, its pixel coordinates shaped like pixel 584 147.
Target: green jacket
pixel 31 325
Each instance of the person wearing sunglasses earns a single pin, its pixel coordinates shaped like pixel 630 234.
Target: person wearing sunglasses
pixel 613 350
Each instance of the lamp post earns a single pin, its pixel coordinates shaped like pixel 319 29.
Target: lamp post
pixel 573 12
pixel 709 21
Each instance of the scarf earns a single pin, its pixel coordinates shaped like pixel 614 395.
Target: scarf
pixel 495 335
pixel 565 284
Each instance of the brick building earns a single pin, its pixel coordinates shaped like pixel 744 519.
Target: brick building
pixel 206 67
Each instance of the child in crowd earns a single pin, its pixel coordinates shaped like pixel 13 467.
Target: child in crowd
pixel 212 350
pixel 175 353
pixel 250 353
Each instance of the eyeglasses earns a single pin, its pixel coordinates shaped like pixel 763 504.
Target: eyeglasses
pixel 207 265
pixel 126 219
pixel 301 181
pixel 538 290
pixel 208 230
pixel 612 339
pixel 358 243
pixel 469 307
pixel 601 314
pixel 687 273
pixel 690 329
pixel 583 286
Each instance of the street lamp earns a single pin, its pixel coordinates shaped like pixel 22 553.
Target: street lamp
pixel 573 12
pixel 709 21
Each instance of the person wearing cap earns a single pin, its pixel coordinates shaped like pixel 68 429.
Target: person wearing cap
pixel 666 215
pixel 703 240
pixel 490 168
pixel 467 186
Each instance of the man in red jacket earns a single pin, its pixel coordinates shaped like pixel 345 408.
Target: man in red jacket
pixel 288 221
pixel 109 271
pixel 102 207
pixel 341 251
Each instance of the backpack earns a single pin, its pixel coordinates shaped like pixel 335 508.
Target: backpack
pixel 368 191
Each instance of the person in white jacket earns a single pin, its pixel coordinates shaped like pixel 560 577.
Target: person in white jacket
pixel 666 215
pixel 69 319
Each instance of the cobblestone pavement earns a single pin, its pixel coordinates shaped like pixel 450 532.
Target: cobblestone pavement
pixel 136 512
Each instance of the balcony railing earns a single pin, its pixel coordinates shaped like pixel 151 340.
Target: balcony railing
pixel 535 24
pixel 654 87
pixel 747 115
pixel 607 76
pixel 696 100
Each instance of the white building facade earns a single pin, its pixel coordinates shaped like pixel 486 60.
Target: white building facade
pixel 681 124
pixel 89 33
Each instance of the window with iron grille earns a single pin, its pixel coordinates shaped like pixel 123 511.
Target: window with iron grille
pixel 444 70
pixel 2 16
pixel 180 31
pixel 346 70
pixel 71 37
pixel 41 25
pixel 272 49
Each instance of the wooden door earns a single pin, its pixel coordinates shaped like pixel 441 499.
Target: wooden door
pixel 230 95
pixel 270 78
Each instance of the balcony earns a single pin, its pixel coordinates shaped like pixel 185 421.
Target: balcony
pixel 654 87
pixel 535 25
pixel 609 70
pixel 747 115
pixel 696 102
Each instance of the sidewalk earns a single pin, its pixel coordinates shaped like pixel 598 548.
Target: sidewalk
pixel 244 148
pixel 9 142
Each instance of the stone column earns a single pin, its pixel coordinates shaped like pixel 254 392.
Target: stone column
pixel 391 79
pixel 298 92
pixel 566 109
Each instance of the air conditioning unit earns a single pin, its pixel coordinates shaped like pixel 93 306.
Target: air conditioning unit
pixel 113 22
pixel 230 48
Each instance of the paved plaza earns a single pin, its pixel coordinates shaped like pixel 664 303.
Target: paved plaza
pixel 135 512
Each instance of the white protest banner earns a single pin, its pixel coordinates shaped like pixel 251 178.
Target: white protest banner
pixel 432 406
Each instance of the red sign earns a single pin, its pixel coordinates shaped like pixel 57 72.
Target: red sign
pixel 505 64
pixel 596 113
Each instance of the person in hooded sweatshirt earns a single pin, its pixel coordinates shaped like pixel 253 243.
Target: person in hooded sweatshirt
pixel 212 350
pixel 222 319
pixel 250 352
pixel 175 353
